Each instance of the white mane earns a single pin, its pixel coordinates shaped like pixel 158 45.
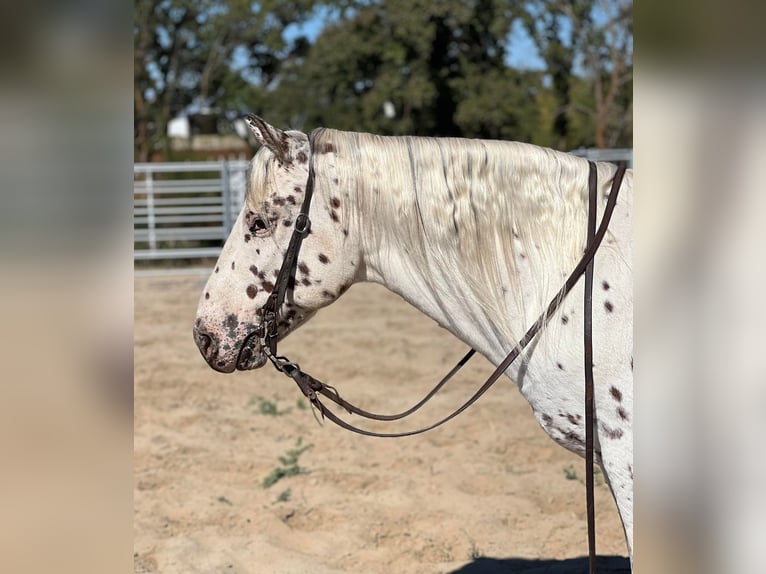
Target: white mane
pixel 465 205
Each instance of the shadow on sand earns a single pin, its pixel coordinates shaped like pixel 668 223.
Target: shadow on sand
pixel 605 564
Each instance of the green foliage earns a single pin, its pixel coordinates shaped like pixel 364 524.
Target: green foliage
pixel 289 465
pixel 205 52
pixel 571 474
pixel 284 496
pixel 267 407
pixel 441 66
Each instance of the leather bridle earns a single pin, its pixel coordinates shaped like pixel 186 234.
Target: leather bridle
pixel 312 387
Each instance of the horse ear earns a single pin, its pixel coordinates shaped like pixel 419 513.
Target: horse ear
pixel 269 136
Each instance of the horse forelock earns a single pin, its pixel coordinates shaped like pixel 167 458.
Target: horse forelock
pixel 260 175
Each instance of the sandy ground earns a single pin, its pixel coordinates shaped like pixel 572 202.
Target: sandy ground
pixel 487 493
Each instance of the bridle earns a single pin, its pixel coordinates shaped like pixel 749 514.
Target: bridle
pixel 312 387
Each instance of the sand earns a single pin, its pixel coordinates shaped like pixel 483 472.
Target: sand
pixel 488 492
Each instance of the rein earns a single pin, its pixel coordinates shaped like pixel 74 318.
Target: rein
pixel 312 387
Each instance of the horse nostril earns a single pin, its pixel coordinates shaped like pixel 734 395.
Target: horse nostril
pixel 205 343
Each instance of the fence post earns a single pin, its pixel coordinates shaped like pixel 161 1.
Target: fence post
pixel 150 222
pixel 226 199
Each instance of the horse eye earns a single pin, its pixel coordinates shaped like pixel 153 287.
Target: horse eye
pixel 258 223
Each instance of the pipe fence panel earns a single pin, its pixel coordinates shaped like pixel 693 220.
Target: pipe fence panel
pixel 185 210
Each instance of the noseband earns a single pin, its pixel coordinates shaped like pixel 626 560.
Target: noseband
pixel 311 387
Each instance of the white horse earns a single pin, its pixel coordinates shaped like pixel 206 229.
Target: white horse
pixel 478 235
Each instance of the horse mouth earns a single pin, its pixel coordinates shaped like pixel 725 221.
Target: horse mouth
pixel 251 355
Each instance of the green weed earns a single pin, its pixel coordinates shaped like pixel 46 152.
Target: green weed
pixel 284 496
pixel 290 466
pixel 267 407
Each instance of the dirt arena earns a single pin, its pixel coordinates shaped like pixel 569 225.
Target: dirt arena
pixel 487 493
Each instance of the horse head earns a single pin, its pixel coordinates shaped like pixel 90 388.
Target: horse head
pixel 230 309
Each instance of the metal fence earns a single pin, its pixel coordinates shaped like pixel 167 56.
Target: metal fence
pixel 186 210
pixel 615 155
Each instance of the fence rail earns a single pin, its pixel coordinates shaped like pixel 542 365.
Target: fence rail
pixel 186 210
pixel 616 155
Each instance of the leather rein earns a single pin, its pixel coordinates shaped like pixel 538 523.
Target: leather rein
pixel 312 387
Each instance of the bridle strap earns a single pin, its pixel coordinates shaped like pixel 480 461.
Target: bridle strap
pixel 588 354
pixel 286 276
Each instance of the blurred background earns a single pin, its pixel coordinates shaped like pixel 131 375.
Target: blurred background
pixel 557 73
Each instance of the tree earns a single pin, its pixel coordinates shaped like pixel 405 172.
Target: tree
pixel 439 66
pixel 208 52
pixel 591 40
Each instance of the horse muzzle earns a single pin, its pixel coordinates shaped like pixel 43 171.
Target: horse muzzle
pixel 229 349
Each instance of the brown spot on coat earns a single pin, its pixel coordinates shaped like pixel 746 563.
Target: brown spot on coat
pixel 623 413
pixel 605 285
pixel 608 306
pixel 335 202
pixel 564 319
pixel 267 286
pixel 303 268
pixel 305 282
pixel 571 436
pixel 207 295
pixel 334 216
pixel 574 419
pixel 328 148
pixel 547 419
pixel 216 269
pixel 323 258
pixel 616 393
pixel 302 157
pixel 232 265
pixel 247 237
pixel 611 433
pixel 298 189
pixel 254 270
pixel 252 291
pixel 327 294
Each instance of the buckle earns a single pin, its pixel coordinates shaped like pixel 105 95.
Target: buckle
pixel 302 224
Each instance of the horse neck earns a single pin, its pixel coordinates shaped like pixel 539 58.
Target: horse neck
pixel 419 251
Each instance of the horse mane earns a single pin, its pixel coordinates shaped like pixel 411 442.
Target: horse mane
pixel 464 205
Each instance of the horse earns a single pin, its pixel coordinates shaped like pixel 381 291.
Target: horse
pixel 476 234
